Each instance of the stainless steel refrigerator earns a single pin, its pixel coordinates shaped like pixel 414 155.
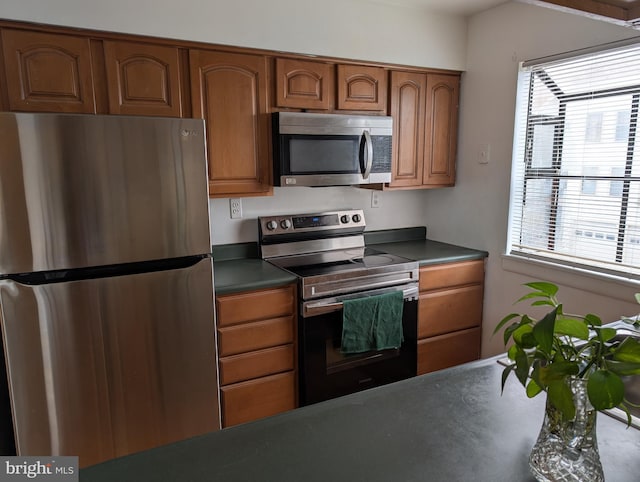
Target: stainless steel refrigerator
pixel 106 283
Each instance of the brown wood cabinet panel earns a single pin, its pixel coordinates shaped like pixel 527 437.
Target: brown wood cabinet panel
pixel 48 72
pixel 362 88
pixel 255 305
pixel 258 398
pixel 256 364
pixel 143 79
pixel 407 109
pixel 230 92
pixel 449 310
pixel 439 276
pixel 448 350
pixel 303 84
pixel 255 336
pixel 441 129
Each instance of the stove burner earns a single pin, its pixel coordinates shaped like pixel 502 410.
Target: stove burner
pixel 377 260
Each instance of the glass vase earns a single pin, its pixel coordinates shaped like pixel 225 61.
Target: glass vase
pixel 567 450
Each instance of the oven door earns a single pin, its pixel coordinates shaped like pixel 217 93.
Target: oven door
pixel 326 372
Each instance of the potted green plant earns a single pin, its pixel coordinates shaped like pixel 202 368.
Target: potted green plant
pixel 579 363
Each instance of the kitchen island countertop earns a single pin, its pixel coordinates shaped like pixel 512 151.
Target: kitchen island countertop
pixel 451 425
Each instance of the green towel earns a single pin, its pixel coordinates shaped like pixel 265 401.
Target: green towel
pixel 372 323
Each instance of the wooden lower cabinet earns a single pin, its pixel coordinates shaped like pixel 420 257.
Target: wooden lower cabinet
pixel 443 351
pixel 262 397
pixel 450 314
pixel 257 351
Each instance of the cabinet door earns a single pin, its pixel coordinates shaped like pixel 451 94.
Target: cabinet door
pixel 362 88
pixel 48 72
pixel 262 397
pixel 303 84
pixel 441 130
pixel 448 350
pixel 407 109
pixel 230 92
pixel 143 79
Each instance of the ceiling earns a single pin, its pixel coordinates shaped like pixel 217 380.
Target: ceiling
pixel 626 12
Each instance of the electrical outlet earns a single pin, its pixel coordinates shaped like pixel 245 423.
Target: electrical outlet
pixel 235 206
pixel 375 199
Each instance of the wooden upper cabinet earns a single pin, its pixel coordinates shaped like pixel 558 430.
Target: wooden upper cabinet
pixel 48 72
pixel 362 88
pixel 441 129
pixel 229 91
pixel 407 109
pixel 425 127
pixel 304 84
pixel 143 79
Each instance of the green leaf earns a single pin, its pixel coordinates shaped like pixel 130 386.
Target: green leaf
pixel 533 389
pixel 505 320
pixel 622 368
pixel 562 397
pixel 511 352
pixel 522 366
pixel 542 302
pixel 607 333
pixel 628 350
pixel 593 320
pixel 543 331
pixel 605 389
pixel 556 371
pixel 521 338
pixel 571 327
pixel 509 331
pixel 637 296
pixel 505 374
pixel 548 289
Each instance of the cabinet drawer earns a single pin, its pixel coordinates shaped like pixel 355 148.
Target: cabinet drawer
pixel 255 336
pixel 255 305
pixel 259 398
pixel 451 274
pixel 448 350
pixel 256 364
pixel 449 310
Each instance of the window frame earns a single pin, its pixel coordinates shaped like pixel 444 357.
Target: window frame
pixel 524 170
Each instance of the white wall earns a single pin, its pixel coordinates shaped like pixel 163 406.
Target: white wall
pixel 341 28
pixel 397 209
pixel 497 40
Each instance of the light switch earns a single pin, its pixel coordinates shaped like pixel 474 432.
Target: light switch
pixel 484 152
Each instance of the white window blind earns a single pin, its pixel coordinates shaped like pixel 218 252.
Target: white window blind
pixel 575 196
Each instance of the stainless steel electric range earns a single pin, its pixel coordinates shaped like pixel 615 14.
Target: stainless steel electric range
pixel 326 251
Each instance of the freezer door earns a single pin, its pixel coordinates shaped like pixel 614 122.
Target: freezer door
pixel 106 367
pixel 88 190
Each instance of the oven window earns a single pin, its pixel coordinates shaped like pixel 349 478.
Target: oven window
pixel 324 155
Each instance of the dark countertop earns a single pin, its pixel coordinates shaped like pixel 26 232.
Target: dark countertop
pixel 234 275
pixel 451 425
pixel 426 251
pixel 238 267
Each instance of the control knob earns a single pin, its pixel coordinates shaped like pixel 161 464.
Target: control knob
pixel 344 219
pixel 356 218
pixel 271 225
pixel 285 224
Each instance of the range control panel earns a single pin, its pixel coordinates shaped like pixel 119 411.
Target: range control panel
pixel 334 221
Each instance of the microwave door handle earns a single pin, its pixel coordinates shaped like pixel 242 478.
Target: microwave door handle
pixel 368 154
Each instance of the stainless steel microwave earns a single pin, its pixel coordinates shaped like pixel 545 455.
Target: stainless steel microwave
pixel 312 149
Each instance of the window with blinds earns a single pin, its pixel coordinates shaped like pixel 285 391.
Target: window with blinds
pixel 575 196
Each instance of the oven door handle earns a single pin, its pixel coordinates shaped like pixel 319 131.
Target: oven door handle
pixel 328 305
